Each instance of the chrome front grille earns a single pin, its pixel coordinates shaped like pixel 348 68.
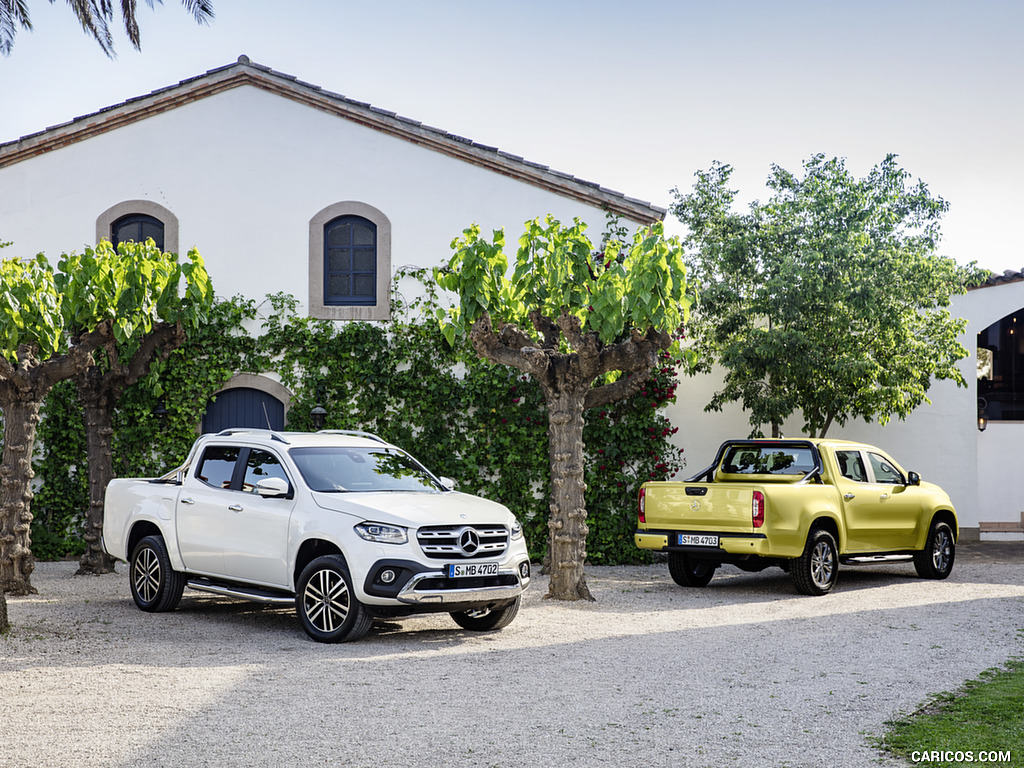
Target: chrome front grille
pixel 445 542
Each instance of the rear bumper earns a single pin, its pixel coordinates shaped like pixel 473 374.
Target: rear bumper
pixel 730 544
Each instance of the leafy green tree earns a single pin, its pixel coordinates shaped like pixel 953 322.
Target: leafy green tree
pixel 94 16
pixel 829 299
pixel 36 352
pixel 161 300
pixel 587 327
pixel 50 326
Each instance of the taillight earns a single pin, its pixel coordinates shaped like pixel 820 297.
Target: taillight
pixel 641 514
pixel 757 509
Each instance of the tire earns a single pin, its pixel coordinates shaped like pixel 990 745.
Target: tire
pixel 690 572
pixel 156 587
pixel 326 603
pixel 487 619
pixel 816 571
pixel 935 561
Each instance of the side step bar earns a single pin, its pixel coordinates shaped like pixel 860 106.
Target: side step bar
pixel 245 593
pixel 875 559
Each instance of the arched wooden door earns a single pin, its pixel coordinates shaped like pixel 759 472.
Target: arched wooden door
pixel 243 407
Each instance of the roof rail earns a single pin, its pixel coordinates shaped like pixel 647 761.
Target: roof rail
pixel 354 433
pixel 240 430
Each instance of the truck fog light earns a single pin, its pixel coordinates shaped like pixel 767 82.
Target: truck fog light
pixel 524 569
pixel 387 576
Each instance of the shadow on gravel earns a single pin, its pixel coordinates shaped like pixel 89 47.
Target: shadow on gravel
pixel 732 585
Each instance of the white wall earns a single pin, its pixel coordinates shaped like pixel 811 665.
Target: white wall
pixel 245 171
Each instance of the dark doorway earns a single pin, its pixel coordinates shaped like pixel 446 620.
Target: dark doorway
pixel 243 407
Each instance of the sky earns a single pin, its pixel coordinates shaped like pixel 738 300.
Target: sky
pixel 636 96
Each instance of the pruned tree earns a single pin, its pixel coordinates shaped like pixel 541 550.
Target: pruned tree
pixel 171 299
pixel 95 17
pixel 587 326
pixel 50 326
pixel 829 300
pixel 36 352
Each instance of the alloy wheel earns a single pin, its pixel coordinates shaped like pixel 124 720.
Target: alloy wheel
pixel 326 600
pixel 822 564
pixel 146 575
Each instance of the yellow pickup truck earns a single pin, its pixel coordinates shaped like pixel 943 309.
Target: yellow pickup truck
pixel 803 505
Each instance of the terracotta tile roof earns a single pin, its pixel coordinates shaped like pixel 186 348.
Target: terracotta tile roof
pixel 247 73
pixel 1008 276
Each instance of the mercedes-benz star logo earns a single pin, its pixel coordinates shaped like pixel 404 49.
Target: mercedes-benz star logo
pixel 469 542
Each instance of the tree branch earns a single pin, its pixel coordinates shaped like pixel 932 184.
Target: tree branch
pixel 486 342
pixel 618 390
pixel 546 327
pixel 163 339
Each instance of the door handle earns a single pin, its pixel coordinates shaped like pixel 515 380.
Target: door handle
pixel 884 496
pixel 235 507
pixel 188 501
pixel 850 496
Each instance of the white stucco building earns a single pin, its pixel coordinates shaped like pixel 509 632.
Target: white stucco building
pixel 286 187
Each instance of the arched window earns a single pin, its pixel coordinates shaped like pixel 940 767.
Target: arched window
pixel 137 227
pixel 136 220
pixel 350 261
pixel 1001 368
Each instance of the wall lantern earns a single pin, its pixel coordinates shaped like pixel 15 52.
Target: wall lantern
pixel 982 414
pixel 160 412
pixel 317 414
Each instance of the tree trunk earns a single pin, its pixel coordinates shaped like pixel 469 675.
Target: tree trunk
pixel 4 623
pixel 21 417
pixel 567 546
pixel 99 391
pixel 99 431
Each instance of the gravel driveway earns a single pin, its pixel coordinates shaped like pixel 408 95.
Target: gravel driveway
pixel 743 672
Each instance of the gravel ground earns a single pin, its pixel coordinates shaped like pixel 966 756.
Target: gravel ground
pixel 741 673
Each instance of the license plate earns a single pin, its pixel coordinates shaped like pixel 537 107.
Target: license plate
pixel 468 570
pixel 695 540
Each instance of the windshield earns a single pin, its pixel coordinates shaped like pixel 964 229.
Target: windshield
pixel 334 469
pixel 768 460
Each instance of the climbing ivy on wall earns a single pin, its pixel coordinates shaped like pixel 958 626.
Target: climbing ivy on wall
pixel 480 424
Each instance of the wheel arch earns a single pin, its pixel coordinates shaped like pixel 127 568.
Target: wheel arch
pixel 309 551
pixel 947 516
pixel 828 523
pixel 141 530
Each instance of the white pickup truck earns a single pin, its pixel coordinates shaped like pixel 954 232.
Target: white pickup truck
pixel 341 524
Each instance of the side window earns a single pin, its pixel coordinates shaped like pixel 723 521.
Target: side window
pixel 217 466
pixel 851 465
pixel 137 227
pixel 884 471
pixel 261 465
pixel 350 261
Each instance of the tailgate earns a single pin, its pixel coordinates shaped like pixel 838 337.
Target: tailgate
pixel 723 507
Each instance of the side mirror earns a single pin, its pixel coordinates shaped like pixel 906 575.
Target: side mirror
pixel 448 483
pixel 913 478
pixel 272 487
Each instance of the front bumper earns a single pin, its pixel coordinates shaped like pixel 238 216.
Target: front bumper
pixel 415 584
pixel 433 587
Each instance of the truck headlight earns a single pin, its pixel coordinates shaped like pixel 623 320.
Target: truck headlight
pixel 517 530
pixel 383 534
